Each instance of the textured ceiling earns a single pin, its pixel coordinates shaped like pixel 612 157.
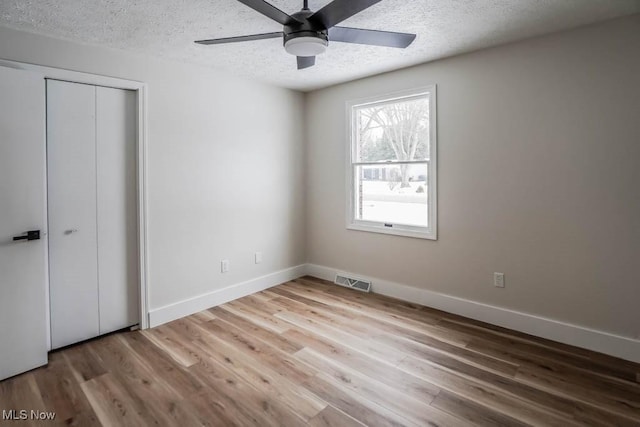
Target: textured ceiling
pixel 167 28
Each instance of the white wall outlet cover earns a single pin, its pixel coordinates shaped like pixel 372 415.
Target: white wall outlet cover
pixel 258 257
pixel 224 265
pixel 498 280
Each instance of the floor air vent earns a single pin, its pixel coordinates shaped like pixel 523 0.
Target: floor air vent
pixel 350 282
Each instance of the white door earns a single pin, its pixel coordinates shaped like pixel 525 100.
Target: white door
pixel 117 208
pixel 23 263
pixel 73 253
pixel 92 210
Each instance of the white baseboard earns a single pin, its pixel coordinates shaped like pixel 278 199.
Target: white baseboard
pixel 579 336
pixel 184 308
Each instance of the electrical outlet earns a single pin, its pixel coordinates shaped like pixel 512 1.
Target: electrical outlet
pixel 258 257
pixel 498 280
pixel 224 265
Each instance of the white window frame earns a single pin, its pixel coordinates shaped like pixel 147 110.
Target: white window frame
pixel 429 232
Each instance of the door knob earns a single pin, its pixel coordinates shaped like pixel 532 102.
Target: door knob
pixel 73 230
pixel 31 235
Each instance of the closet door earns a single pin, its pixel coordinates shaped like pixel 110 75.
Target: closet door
pixel 73 262
pixel 117 213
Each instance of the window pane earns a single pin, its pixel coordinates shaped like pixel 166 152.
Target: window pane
pixel 392 194
pixel 396 130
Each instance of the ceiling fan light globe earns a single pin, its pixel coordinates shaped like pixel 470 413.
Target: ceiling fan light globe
pixel 306 46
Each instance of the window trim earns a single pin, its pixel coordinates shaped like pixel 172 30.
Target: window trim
pixel 431 232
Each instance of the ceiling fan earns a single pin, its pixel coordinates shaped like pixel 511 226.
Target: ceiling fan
pixel 307 33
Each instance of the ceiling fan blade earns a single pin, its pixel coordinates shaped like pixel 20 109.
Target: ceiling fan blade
pixel 306 62
pixel 269 11
pixel 339 10
pixel 241 38
pixel 371 37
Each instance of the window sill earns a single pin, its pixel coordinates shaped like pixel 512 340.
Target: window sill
pixel 396 231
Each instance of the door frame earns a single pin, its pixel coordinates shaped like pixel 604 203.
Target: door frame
pixel 140 88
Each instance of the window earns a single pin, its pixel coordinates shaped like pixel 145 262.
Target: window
pixel 392 164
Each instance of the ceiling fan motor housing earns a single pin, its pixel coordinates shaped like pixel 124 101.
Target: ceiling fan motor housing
pixel 303 37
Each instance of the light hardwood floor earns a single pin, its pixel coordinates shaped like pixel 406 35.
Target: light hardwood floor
pixel 311 353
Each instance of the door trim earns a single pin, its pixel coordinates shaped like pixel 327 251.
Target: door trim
pixel 142 163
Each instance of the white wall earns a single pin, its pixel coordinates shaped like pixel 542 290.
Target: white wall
pixel 539 178
pixel 539 143
pixel 225 166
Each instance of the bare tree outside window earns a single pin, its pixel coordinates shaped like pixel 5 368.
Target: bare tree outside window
pixel 395 131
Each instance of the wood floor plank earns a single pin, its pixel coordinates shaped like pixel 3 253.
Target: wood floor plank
pixel 259 304
pixel 454 357
pixel 332 417
pixel 308 352
pixel 471 412
pixel 524 403
pixel 265 354
pixel 363 327
pixel 82 419
pixel 187 327
pixel 84 363
pixel 264 319
pixel 429 327
pixel 21 393
pixel 324 316
pixel 363 410
pixel 284 296
pixel 426 381
pixel 402 346
pixel 173 373
pixel 59 389
pixel 356 301
pixel 598 362
pixel 388 305
pixel 167 341
pixel 298 399
pixel 388 374
pixel 256 331
pixel 262 295
pixel 111 403
pixel 603 363
pixel 120 358
pixel 240 401
pixel 625 405
pixel 381 352
pixel 607 376
pixel 202 316
pixel 538 348
pixel 149 393
pixel 417 411
pixel 210 410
